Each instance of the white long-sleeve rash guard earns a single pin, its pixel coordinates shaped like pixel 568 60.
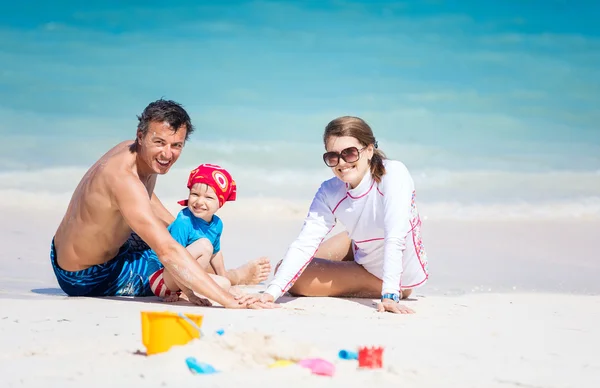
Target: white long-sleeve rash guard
pixel 381 219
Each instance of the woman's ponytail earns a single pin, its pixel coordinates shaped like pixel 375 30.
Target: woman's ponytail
pixel 377 167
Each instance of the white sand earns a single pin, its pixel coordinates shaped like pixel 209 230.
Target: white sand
pixel 469 341
pixel 536 328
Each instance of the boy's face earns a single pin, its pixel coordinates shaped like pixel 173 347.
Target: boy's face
pixel 203 201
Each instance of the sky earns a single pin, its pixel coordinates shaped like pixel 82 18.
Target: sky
pixel 481 74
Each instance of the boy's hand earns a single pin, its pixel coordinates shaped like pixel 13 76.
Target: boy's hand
pixel 195 299
pixel 174 297
pixel 199 301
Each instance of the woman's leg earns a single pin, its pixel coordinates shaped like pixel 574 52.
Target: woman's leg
pixel 336 278
pixel 339 278
pixel 335 273
pixel 336 248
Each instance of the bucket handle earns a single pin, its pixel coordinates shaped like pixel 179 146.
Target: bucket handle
pixel 181 315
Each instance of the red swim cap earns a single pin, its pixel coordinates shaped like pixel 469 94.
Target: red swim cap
pixel 216 177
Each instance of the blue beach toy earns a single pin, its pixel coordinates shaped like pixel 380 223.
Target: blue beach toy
pixel 199 367
pixel 348 355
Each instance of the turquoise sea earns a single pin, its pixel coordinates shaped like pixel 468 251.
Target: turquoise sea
pixel 493 107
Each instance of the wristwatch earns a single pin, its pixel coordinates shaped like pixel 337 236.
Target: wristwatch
pixel 394 297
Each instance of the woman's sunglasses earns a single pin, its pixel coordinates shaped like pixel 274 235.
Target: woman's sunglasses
pixel 350 155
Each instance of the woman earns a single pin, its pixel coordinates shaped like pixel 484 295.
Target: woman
pixel 381 255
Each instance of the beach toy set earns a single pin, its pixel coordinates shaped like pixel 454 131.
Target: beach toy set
pixel 199 367
pixel 317 366
pixel 163 330
pixel 369 357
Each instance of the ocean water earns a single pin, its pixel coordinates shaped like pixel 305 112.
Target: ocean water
pixel 486 180
pixel 493 108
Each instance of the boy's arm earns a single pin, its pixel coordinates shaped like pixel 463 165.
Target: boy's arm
pixel 218 264
pixel 216 261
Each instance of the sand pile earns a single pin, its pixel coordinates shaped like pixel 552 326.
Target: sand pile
pixel 250 349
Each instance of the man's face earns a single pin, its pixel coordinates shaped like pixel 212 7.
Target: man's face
pixel 161 146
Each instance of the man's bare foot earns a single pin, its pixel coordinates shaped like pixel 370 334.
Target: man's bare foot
pixel 253 272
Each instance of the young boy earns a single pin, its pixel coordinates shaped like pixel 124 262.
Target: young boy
pixel 199 229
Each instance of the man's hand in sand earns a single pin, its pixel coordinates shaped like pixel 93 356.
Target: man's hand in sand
pixel 250 302
pixel 258 301
pixel 393 307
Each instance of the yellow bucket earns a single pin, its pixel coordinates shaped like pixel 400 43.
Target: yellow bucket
pixel 162 330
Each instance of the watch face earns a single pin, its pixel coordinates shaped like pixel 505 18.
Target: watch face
pixel 393 297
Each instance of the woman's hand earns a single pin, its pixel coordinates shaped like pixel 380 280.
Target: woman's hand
pixel 393 307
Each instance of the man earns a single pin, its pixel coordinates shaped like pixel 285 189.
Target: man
pixel 92 253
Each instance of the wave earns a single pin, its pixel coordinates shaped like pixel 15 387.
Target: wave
pixel 44 151
pixel 433 185
pixel 587 208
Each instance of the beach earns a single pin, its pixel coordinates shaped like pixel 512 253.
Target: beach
pixel 492 107
pixel 508 303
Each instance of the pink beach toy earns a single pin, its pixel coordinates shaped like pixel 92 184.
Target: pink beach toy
pixel 318 366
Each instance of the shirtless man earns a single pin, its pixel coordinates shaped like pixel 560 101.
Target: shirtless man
pixel 92 252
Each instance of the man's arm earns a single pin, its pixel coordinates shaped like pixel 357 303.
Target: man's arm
pixel 131 197
pixel 161 211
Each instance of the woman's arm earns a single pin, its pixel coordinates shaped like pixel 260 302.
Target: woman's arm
pixel 319 221
pixel 397 188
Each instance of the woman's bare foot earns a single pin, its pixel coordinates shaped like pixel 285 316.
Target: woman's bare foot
pixel 253 272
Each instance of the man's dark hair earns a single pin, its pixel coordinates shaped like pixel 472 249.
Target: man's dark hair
pixel 165 111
